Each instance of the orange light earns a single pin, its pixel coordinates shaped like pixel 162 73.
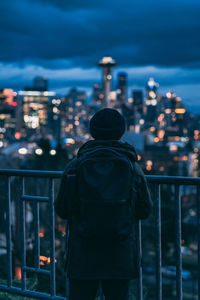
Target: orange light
pixel 148 168
pixel 156 139
pixel 152 129
pixel 17 135
pixel 185 158
pixel 41 232
pixel 18 273
pixel 161 134
pixel 176 158
pixel 161 117
pixel 44 259
pixel 180 110
pixel 139 157
pixel 168 110
pixel 173 138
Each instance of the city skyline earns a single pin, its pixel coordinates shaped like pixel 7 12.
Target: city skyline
pixel 63 42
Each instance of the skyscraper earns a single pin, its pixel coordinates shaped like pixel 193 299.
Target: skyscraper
pixel 40 84
pixel 138 101
pixel 151 100
pixel 122 86
pixel 107 63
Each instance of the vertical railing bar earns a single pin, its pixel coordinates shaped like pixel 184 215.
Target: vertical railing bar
pixel 198 232
pixel 101 293
pixel 178 244
pixel 52 236
pixel 23 235
pixel 158 243
pixel 66 249
pixel 139 260
pixel 8 233
pixel 37 237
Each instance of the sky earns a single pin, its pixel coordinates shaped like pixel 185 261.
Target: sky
pixel 63 41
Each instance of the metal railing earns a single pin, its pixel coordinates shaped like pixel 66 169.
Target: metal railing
pixel 156 181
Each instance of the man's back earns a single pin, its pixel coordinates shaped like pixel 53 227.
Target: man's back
pixel 88 259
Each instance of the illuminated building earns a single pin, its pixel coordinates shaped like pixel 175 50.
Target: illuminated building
pixel 138 101
pixel 122 86
pixel 74 114
pixel 107 63
pixel 98 95
pixel 151 101
pixel 35 109
pixel 8 113
pixel 174 110
pixel 54 113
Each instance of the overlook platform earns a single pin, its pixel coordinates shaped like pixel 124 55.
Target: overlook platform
pixel 26 234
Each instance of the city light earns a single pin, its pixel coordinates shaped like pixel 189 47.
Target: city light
pixel 38 151
pixel 17 135
pixel 141 121
pixel 23 151
pixel 53 152
pixel 69 141
pixel 180 110
pixel 173 147
pixel 168 110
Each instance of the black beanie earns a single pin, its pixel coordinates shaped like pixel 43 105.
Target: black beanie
pixel 107 124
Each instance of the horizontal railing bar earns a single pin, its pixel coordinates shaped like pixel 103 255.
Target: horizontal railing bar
pixel 173 180
pixel 29 293
pixel 36 270
pixel 35 198
pixel 57 174
pixel 31 173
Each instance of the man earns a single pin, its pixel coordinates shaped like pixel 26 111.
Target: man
pixel 103 192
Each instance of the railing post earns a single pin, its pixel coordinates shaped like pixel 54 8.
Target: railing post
pixel 139 260
pixel 158 243
pixel 178 244
pixel 23 235
pixel 52 237
pixel 37 232
pixel 8 234
pixel 198 232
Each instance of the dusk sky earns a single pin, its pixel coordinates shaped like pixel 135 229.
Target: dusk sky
pixel 63 41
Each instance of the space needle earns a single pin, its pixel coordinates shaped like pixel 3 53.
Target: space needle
pixel 107 63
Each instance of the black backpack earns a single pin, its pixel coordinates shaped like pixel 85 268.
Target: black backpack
pixel 105 192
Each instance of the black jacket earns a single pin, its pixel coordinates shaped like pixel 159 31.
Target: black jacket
pixel 89 261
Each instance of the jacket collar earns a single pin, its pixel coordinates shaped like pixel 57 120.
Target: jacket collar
pixel 125 148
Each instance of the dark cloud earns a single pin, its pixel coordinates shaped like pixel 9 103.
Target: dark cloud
pixel 62 40
pixel 71 5
pixel 81 32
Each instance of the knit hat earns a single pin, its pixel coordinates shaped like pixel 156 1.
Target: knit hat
pixel 107 124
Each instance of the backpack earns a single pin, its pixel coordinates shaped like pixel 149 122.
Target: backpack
pixel 105 192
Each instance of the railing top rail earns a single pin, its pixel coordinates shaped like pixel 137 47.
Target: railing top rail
pixel 31 173
pixel 173 180
pixel 57 174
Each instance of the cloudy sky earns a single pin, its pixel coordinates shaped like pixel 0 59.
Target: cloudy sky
pixel 63 40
